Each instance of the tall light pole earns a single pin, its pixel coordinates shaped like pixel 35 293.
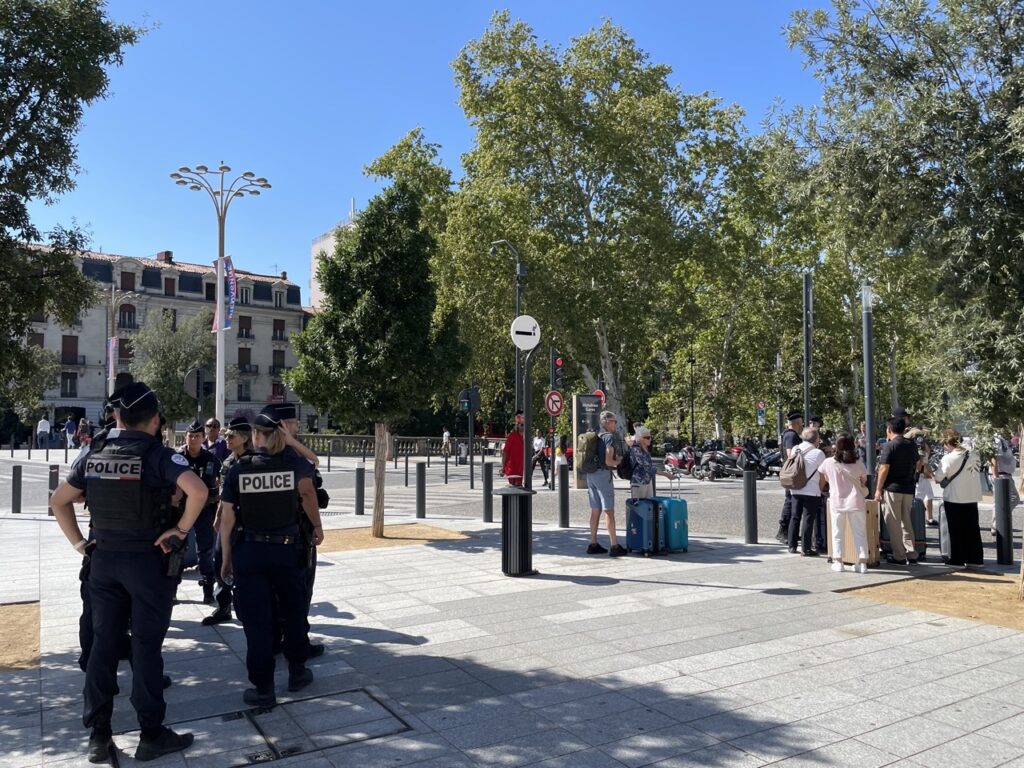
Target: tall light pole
pixel 693 432
pixel 115 302
pixel 869 383
pixel 221 194
pixel 808 330
pixel 520 281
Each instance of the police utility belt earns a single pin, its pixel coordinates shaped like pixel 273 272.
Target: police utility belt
pixel 270 538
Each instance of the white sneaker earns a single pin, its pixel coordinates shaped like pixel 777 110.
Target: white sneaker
pixel 838 567
pixel 861 568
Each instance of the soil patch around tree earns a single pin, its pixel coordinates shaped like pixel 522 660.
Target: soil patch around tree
pixel 19 636
pixel 349 539
pixel 990 598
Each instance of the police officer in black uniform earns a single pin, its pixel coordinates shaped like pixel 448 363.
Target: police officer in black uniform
pixel 129 481
pixel 238 437
pixel 207 468
pixel 262 549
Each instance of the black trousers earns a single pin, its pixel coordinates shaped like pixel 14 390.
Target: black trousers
pixel 961 521
pixel 206 542
pixel 787 511
pixel 801 522
pixel 264 572
pixel 127 589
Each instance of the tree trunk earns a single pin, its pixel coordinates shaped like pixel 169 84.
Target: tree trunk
pixel 380 453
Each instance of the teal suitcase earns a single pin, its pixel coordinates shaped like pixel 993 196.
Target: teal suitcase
pixel 677 523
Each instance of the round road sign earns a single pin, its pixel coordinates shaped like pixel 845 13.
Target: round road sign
pixel 600 394
pixel 525 332
pixel 553 402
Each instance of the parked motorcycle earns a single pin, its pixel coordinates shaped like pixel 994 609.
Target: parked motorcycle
pixel 681 462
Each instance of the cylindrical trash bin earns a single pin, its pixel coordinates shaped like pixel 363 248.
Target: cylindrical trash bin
pixel 516 531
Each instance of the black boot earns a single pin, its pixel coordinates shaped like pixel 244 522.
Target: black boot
pixel 100 743
pixel 298 677
pixel 207 592
pixel 166 742
pixel 219 616
pixel 254 697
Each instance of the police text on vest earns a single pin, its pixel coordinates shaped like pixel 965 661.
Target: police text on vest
pixel 266 482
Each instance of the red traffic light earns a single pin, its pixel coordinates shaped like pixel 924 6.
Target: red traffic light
pixel 558 362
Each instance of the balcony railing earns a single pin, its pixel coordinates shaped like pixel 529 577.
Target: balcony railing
pixel 69 393
pixel 279 336
pixel 78 360
pixel 123 363
pixel 245 333
pixel 277 370
pixel 248 368
pixel 127 325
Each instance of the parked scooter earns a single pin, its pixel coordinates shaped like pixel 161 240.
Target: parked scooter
pixel 681 462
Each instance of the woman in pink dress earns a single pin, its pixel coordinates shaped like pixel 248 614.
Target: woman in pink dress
pixel 846 477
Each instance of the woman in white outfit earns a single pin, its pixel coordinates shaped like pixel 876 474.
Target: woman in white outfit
pixel 846 477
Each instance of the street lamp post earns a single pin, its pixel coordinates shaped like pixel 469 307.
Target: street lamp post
pixel 869 383
pixel 520 281
pixel 693 432
pixel 115 303
pixel 221 194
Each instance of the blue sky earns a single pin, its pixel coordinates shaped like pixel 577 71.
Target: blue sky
pixel 307 93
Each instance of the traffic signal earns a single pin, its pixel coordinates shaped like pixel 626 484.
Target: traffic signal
pixel 464 405
pixel 557 364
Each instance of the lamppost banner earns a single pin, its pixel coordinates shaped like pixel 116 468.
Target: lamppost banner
pixel 232 284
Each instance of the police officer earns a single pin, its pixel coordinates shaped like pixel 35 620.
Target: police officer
pixel 207 468
pixel 262 549
pixel 129 481
pixel 238 437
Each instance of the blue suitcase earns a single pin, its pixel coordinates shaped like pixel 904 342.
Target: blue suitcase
pixel 677 523
pixel 645 527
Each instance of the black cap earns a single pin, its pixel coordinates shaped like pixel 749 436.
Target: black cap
pixel 900 413
pixel 286 411
pixel 267 418
pixel 816 419
pixel 794 415
pixel 194 428
pixel 133 396
pixel 239 424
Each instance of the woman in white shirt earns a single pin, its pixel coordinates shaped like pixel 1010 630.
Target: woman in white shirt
pixel 846 477
pixel 959 468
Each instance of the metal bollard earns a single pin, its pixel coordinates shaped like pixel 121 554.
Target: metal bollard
pixel 65 452
pixel 1003 520
pixel 30 450
pixel 361 489
pixel 446 469
pixel 395 457
pixel 363 444
pixel 47 452
pixel 488 490
pixel 750 506
pixel 482 462
pixel 563 496
pixel 421 489
pixel 16 490
pixel 54 482
pixel 406 471
pixel 428 458
pixel 330 452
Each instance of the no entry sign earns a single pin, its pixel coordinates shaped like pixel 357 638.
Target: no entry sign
pixel 553 402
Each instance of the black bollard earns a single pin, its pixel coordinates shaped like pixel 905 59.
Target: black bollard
pixel 421 490
pixel 330 452
pixel 396 457
pixel 1003 520
pixel 54 482
pixel 65 452
pixel 47 451
pixel 488 483
pixel 16 489
pixel 563 496
pixel 516 531
pixel 446 469
pixel 482 462
pixel 428 457
pixel 361 489
pixel 363 444
pixel 406 471
pixel 750 506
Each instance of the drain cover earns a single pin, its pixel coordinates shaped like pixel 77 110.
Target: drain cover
pixel 256 736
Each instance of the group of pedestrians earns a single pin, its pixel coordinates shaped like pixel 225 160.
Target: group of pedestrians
pixel 144 500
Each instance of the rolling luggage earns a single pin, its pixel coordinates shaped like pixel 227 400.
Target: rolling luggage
pixel 677 522
pixel 849 553
pixel 645 527
pixel 920 529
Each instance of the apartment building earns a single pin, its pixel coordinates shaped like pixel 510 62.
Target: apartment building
pixel 268 311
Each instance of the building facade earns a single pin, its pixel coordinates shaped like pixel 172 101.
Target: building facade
pixel 268 310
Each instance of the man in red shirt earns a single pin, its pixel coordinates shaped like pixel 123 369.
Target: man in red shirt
pixel 512 452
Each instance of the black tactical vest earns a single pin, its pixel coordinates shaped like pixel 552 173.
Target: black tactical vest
pixel 118 498
pixel 268 493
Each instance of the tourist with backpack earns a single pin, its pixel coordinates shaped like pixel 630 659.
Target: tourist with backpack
pixel 800 475
pixel 641 467
pixel 789 440
pixel 599 454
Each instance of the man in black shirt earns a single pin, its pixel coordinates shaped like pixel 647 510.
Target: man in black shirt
pixel 898 466
pixel 790 439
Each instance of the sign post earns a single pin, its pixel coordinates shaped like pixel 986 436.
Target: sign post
pixel 525 333
pixel 469 403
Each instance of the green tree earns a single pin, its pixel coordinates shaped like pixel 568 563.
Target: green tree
pixel 26 394
pixel 603 175
pixel 918 147
pixel 54 56
pixel 163 356
pixel 378 350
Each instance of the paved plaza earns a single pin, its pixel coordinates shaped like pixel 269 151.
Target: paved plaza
pixel 729 655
